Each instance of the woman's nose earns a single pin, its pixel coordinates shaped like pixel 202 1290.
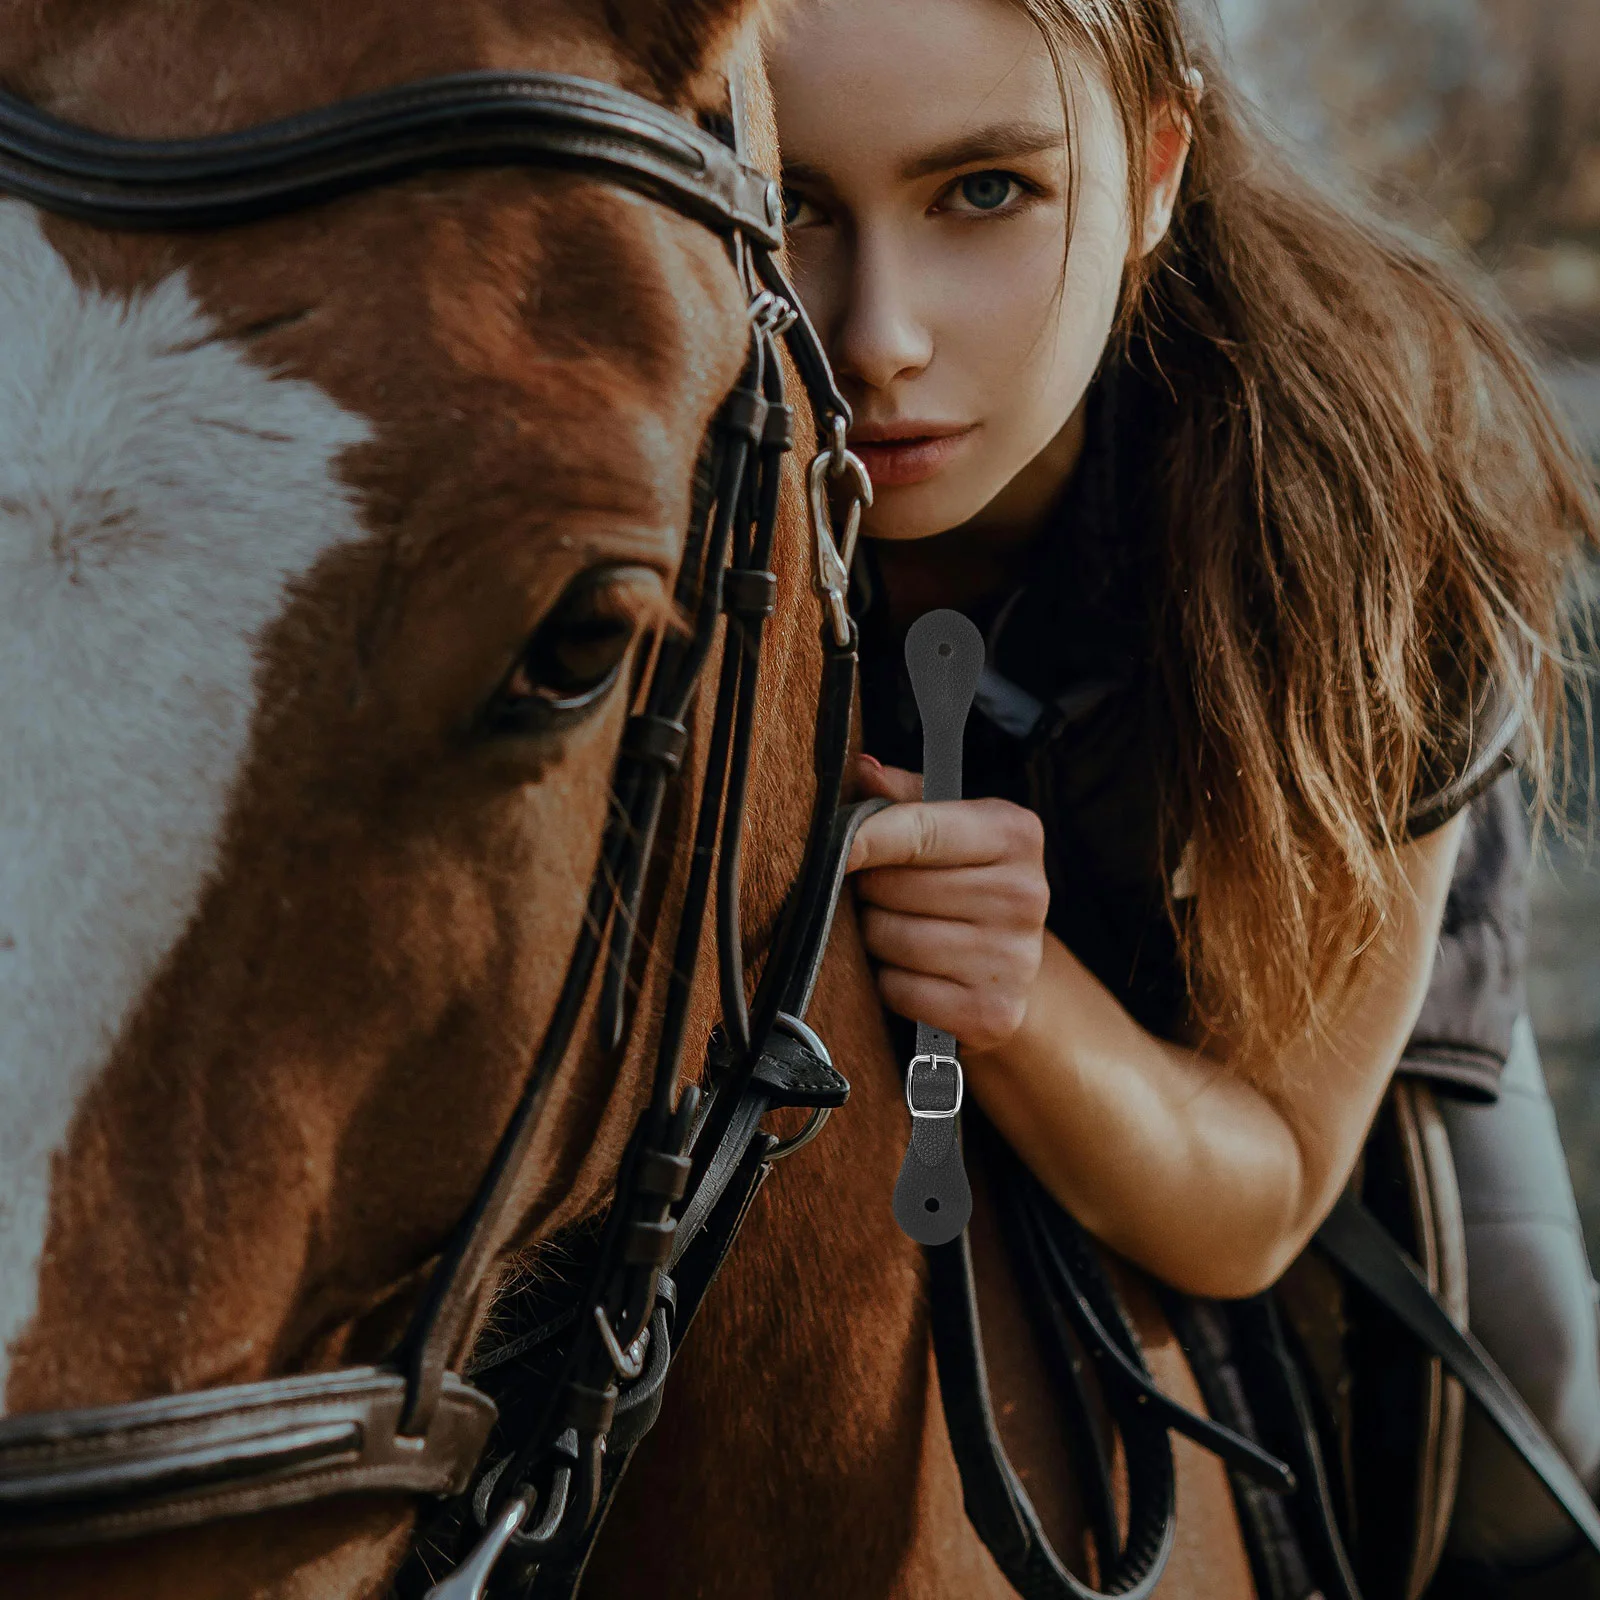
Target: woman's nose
pixel 879 336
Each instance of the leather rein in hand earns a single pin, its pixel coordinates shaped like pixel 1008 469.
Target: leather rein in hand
pixel 411 1424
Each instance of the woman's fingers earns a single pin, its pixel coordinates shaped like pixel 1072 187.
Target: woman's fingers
pixel 886 783
pixel 954 898
pixel 974 956
pixel 1005 893
pixel 981 1020
pixel 950 833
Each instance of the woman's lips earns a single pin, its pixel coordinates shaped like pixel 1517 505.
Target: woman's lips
pixel 910 456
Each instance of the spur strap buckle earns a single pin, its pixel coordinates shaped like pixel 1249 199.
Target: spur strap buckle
pixel 934 1064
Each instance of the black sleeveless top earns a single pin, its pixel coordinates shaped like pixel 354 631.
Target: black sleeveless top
pixel 1067 723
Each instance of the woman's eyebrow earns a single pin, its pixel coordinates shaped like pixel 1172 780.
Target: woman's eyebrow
pixel 797 172
pixel 999 141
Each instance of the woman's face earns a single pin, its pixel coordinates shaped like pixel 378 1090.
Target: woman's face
pixel 926 167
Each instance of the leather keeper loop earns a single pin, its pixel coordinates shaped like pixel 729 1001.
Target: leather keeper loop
pixel 650 1243
pixel 744 413
pixel 779 432
pixel 656 740
pixel 664 1175
pixel 749 594
pixel 591 1411
pixel 834 651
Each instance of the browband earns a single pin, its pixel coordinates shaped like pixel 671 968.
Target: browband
pixel 467 119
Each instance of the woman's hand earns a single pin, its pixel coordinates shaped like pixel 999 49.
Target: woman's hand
pixel 953 898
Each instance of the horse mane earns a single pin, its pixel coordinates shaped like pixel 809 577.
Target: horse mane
pixel 677 42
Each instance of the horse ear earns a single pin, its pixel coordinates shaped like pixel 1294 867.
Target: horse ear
pixel 677 41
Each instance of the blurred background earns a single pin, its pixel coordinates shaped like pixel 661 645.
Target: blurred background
pixel 1481 120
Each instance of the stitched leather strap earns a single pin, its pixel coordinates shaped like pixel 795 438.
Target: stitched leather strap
pixel 463 119
pixel 932 1198
pixel 174 1462
pixel 808 962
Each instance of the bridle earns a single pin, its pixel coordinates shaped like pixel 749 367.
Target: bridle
pixel 412 1425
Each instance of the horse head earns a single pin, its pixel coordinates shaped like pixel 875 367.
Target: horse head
pixel 333 546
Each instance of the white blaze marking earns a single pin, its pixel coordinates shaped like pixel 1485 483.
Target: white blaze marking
pixel 159 495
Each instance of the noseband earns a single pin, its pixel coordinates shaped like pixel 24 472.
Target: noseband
pixel 412 1425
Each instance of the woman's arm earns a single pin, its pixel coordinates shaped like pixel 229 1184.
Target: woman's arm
pixel 1186 1165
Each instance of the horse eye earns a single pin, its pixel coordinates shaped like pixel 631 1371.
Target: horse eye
pixel 573 657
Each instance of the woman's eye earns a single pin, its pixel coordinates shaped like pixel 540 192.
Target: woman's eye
pixel 799 212
pixel 983 191
pixel 573 657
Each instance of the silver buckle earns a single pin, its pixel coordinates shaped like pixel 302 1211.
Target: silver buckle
pixel 934 1061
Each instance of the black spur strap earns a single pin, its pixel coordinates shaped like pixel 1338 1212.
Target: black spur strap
pixel 932 1198
pixel 1075 1306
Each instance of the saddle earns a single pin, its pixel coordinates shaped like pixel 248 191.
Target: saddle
pixel 1359 1365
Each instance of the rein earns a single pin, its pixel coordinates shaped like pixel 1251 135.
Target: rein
pixel 411 1424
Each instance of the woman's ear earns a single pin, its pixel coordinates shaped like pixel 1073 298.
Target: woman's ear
pixel 676 41
pixel 1167 153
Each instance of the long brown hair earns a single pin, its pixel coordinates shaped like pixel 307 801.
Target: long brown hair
pixel 1372 519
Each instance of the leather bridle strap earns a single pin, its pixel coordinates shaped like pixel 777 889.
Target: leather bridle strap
pixel 550 1462
pixel 794 1070
pixel 468 119
pixel 441 1324
pixel 116 1472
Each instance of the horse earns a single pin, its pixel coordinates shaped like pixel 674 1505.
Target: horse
pixel 299 520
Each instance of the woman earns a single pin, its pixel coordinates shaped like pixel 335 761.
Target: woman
pixel 1267 526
